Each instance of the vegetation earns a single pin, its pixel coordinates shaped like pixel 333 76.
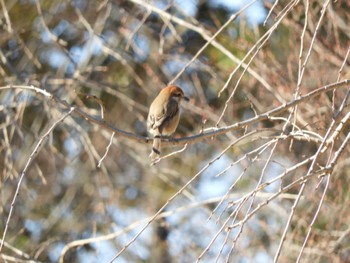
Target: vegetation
pixel 257 171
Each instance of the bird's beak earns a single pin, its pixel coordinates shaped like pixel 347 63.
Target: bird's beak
pixel 186 98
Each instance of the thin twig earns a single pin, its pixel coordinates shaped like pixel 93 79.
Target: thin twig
pixel 206 35
pixel 107 150
pixel 29 162
pixel 189 139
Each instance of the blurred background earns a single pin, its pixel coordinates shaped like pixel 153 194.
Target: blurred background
pixel 119 54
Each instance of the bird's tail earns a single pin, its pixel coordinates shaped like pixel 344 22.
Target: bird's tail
pixel 155 153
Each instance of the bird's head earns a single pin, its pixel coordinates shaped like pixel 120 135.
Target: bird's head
pixel 176 93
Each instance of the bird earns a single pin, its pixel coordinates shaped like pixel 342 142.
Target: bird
pixel 164 115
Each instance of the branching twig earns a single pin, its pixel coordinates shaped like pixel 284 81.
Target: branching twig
pixel 194 138
pixel 30 160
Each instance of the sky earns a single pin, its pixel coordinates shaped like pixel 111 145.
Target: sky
pixel 254 14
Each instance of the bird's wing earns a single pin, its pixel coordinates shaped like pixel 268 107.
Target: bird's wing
pixel 168 112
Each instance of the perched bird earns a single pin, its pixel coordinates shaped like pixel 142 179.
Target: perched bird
pixel 164 116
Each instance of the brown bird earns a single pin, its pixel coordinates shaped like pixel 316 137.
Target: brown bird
pixel 164 116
